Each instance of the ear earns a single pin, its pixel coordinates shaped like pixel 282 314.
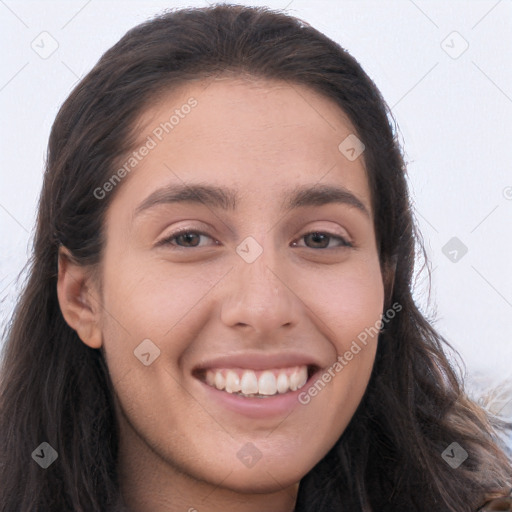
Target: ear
pixel 79 299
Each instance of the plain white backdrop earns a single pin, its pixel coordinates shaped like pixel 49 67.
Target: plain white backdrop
pixel 445 69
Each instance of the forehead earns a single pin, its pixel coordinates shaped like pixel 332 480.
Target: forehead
pixel 247 103
pixel 253 134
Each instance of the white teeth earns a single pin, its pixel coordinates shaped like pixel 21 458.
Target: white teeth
pixel 232 382
pixel 269 383
pixel 303 378
pixel 210 378
pixel 220 383
pixel 283 384
pixel 249 383
pixel 298 379
pixel 294 381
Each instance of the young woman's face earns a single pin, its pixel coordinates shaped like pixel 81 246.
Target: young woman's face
pixel 251 289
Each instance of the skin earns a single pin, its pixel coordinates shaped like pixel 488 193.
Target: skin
pixel 178 450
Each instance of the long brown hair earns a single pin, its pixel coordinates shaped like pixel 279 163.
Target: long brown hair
pixel 57 390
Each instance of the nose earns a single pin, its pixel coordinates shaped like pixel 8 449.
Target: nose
pixel 260 295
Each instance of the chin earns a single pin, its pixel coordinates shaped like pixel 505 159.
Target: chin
pixel 263 481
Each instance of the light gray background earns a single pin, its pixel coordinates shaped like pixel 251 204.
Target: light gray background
pixel 454 112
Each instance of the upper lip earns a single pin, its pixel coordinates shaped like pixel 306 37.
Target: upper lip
pixel 259 361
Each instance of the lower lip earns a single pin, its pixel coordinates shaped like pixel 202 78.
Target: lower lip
pixel 252 407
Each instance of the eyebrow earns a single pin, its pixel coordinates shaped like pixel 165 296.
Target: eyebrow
pixel 226 198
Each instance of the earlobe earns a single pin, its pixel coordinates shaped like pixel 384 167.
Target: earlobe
pixel 78 299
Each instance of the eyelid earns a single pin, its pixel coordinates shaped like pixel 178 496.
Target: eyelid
pixel 336 231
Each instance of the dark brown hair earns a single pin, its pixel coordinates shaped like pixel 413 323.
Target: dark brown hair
pixel 55 389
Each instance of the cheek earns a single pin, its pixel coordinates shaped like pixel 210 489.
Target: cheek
pixel 350 307
pixel 150 300
pixel 350 310
pixel 348 301
pixel 147 302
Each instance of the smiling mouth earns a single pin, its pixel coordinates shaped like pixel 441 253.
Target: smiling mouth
pixel 257 383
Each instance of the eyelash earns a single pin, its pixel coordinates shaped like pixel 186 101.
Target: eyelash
pixel 168 240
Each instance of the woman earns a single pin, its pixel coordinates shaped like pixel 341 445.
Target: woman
pixel 219 313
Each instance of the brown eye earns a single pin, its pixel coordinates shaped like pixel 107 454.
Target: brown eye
pixel 189 238
pixel 321 240
pixel 185 238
